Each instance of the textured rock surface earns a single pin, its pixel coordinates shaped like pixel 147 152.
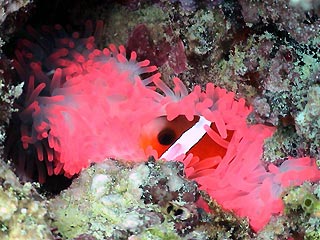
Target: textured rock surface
pixel 265 51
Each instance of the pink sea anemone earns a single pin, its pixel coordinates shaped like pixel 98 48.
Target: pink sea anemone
pixel 82 105
pixel 240 182
pixel 77 97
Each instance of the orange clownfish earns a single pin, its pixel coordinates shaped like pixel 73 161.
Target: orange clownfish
pixel 180 136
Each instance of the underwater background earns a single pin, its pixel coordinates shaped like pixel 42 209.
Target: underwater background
pixel 266 52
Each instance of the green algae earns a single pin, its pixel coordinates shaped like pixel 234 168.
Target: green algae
pixel 204 32
pixel 118 30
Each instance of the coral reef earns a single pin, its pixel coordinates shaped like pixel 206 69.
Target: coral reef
pixel 300 25
pixel 23 213
pixel 264 51
pixel 13 15
pixel 307 121
pixel 291 145
pixel 8 94
pixel 8 7
pixel 301 215
pixel 74 90
pixel 146 201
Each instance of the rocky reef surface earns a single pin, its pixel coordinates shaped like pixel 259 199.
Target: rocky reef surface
pixel 264 51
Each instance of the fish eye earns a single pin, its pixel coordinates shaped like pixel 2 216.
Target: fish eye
pixel 167 136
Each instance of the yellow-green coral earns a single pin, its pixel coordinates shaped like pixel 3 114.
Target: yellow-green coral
pixel 21 215
pixel 109 200
pixel 302 198
pixel 290 144
pixel 145 201
pixel 303 204
pixel 307 121
pixel 301 215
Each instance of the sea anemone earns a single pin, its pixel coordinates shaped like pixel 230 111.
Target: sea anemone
pixel 82 105
pixel 237 180
pixel 75 99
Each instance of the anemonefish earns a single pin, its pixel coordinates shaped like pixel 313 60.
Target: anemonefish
pixel 177 137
